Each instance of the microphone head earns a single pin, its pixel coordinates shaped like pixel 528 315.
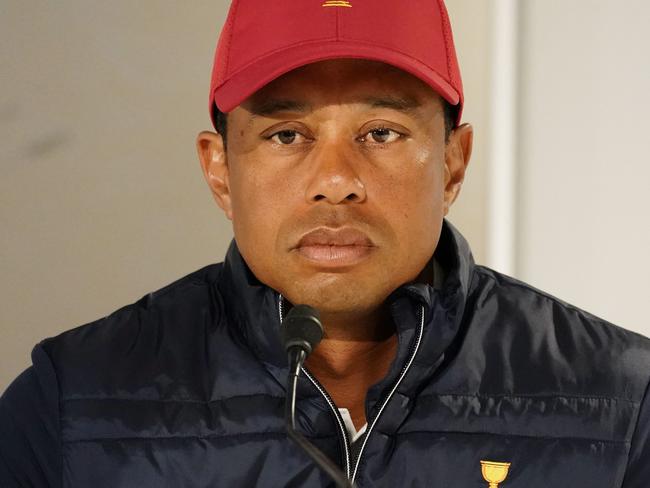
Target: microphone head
pixel 302 328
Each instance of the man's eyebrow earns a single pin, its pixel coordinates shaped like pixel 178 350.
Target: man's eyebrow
pixel 406 105
pixel 271 106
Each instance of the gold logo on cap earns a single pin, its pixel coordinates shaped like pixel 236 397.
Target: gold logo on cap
pixel 494 473
pixel 336 3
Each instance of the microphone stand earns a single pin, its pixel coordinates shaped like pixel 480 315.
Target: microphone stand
pixel 297 356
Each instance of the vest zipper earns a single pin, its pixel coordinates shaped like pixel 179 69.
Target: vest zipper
pixel 328 399
pixel 405 369
pixel 371 425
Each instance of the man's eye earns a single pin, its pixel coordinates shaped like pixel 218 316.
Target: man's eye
pixel 382 135
pixel 285 137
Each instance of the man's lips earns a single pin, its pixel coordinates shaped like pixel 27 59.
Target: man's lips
pixel 344 236
pixel 335 247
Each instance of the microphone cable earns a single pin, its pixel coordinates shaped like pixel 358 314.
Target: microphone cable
pixel 301 334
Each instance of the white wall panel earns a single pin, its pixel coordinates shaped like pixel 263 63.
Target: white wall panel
pixel 584 147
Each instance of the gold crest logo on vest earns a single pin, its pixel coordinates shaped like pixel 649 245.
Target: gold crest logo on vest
pixel 336 3
pixel 494 472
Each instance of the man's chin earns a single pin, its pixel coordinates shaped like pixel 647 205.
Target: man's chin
pixel 337 297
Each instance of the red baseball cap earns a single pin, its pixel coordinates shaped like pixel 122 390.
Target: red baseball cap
pixel 263 39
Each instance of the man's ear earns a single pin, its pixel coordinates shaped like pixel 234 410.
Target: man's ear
pixel 214 163
pixel 457 154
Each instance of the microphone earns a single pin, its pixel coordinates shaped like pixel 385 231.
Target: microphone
pixel 301 333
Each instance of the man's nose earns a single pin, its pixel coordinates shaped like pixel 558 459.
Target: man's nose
pixel 333 176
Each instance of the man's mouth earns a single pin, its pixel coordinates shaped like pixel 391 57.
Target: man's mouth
pixel 335 247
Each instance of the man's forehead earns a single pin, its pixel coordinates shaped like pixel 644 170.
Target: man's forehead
pixel 370 83
pixel 265 106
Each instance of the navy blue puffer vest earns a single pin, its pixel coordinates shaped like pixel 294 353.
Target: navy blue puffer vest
pixel 186 387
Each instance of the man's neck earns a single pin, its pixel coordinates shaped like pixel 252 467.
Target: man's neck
pixel 357 351
pixel 354 355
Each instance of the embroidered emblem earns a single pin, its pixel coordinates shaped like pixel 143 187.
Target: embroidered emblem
pixel 494 473
pixel 336 3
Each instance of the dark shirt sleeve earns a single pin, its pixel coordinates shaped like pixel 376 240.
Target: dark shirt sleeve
pixel 638 469
pixel 30 448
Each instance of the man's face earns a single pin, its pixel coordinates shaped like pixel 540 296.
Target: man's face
pixel 336 178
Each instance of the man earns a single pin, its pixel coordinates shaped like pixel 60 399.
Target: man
pixel 339 152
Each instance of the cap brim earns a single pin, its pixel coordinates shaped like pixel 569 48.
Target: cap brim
pixel 260 72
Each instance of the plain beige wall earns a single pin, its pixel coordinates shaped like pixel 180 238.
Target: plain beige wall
pixel 102 198
pixel 584 193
